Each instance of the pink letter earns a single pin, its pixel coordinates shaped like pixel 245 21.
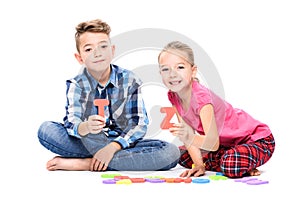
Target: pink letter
pixel 101 103
pixel 170 111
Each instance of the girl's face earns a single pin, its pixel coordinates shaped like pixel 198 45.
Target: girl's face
pixel 176 72
pixel 96 52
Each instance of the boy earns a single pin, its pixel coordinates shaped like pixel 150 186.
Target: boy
pixel 112 140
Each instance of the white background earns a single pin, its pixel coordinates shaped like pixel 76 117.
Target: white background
pixel 254 45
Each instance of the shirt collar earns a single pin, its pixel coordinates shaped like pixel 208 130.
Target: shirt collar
pixel 112 79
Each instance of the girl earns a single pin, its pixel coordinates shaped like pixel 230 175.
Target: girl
pixel 231 141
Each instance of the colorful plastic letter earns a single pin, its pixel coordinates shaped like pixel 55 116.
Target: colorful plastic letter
pixel 170 111
pixel 101 103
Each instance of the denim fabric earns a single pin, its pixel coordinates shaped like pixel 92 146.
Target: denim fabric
pixel 146 155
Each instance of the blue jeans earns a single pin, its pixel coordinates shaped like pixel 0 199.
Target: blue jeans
pixel 146 155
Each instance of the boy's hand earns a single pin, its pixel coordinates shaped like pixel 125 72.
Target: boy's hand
pixel 103 157
pixel 95 124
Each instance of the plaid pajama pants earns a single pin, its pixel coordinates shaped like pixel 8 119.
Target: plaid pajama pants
pixel 237 161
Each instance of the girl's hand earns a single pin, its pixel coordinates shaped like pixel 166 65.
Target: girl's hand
pixel 184 132
pixel 95 124
pixel 196 171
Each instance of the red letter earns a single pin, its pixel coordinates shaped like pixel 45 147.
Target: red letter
pixel 101 103
pixel 170 111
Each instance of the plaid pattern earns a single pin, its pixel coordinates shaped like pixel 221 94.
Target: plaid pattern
pixel 126 107
pixel 185 159
pixel 235 161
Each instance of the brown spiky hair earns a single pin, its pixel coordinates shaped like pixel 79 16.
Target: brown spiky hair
pixel 94 26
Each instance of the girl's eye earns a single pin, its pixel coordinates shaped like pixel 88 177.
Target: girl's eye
pixel 104 46
pixel 180 67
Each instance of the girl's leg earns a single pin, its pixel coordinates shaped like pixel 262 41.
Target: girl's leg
pixel 242 159
pixel 185 159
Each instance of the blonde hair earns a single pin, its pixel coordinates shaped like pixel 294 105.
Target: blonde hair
pixel 180 49
pixel 94 26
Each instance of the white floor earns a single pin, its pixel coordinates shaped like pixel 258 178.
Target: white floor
pixel 88 185
pixel 30 179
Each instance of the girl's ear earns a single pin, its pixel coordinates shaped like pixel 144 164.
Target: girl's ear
pixel 78 58
pixel 194 71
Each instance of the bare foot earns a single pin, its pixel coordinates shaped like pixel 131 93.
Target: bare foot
pixel 254 172
pixel 71 164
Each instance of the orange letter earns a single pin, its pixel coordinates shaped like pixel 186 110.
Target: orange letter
pixel 170 111
pixel 101 103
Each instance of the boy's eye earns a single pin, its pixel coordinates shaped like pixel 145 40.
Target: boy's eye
pixel 164 69
pixel 88 50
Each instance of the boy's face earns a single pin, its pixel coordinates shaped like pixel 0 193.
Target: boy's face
pixel 96 52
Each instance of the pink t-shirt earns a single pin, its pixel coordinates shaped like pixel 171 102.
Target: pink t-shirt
pixel 235 126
